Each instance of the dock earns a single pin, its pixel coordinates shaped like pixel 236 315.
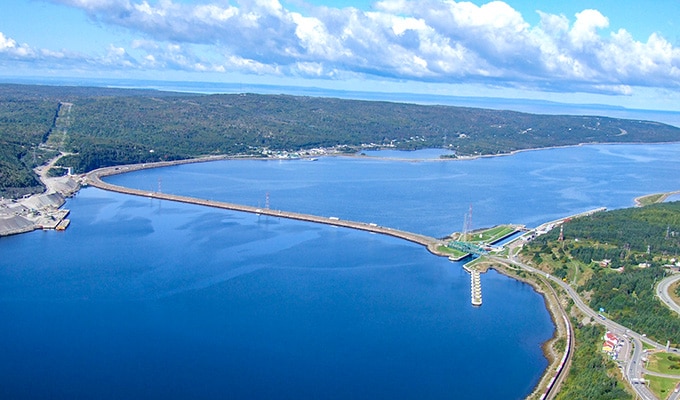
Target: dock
pixel 63 224
pixel 52 219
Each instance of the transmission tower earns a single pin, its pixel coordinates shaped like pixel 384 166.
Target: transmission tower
pixel 467 224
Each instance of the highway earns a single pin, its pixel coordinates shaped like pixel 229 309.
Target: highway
pixel 633 366
pixel 662 292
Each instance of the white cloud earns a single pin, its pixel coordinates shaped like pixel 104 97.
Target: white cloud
pixel 315 39
pixel 10 47
pixel 215 13
pixel 6 43
pixel 583 33
pixel 251 66
pixel 432 40
pixel 310 69
pixel 118 56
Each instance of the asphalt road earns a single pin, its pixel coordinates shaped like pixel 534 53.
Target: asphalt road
pixel 662 292
pixel 633 367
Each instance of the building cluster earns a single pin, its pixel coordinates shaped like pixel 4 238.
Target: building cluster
pixel 316 152
pixel 611 345
pixel 673 265
pixel 34 212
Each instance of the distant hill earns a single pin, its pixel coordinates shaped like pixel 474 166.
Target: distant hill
pixel 105 127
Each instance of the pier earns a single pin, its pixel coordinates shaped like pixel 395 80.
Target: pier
pixel 475 286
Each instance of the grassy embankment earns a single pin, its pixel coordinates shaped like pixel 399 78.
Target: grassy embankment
pixel 491 235
pixel 479 237
pixel 654 198
pixel 453 253
pixel 674 292
pixel 661 387
pixel 663 363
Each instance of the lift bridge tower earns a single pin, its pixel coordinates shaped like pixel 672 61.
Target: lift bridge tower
pixel 464 243
pixel 467 225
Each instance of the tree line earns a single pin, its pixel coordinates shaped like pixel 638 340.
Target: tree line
pixel 117 126
pixel 638 242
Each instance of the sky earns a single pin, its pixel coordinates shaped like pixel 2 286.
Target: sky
pixel 613 52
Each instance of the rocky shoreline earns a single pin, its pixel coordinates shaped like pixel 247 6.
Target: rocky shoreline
pixel 40 211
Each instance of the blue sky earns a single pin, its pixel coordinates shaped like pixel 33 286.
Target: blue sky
pixel 621 52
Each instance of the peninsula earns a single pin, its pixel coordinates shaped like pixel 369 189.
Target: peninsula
pixel 101 127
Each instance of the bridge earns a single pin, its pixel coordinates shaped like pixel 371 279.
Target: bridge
pixel 467 247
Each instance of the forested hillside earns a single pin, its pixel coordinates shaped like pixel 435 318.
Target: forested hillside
pixel 25 121
pixel 117 126
pixel 615 259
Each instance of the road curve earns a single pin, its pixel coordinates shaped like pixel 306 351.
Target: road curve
pixel 664 296
pixel 632 369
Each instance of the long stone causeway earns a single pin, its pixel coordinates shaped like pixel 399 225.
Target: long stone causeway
pixel 94 178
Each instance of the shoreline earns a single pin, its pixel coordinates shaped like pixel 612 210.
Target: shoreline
pixel 477 156
pixel 42 170
pixel 534 281
pixel 653 198
pixel 552 305
pixel 557 315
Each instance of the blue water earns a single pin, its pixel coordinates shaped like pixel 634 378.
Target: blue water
pixel 432 197
pixel 140 298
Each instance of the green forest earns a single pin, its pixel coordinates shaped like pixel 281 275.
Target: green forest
pixel 25 122
pixel 119 126
pixel 638 242
pixel 588 378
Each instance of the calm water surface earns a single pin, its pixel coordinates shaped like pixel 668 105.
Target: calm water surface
pixel 142 298
pixel 432 197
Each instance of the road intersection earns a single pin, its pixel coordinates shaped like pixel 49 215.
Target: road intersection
pixel 631 364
